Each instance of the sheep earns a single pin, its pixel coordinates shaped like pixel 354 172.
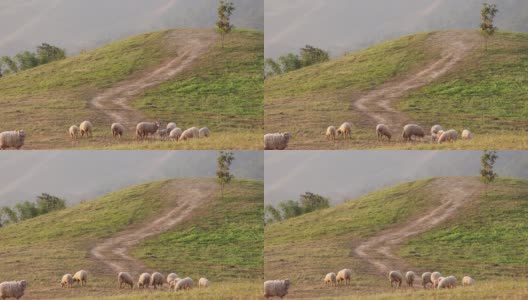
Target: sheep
pixel 204 132
pixel 411 130
pixel 383 130
pixel 466 134
pixel 426 279
pixel 276 141
pixel 156 280
pixel 450 135
pixel 124 278
pixel 276 288
pixel 12 139
pixel 345 129
pixel 163 133
pixel 409 278
pixel 434 132
pixel 175 134
pixel 144 280
pixel 343 275
pixel 117 130
pixel 174 282
pixel 86 128
pixel 67 280
pixel 81 277
pixel 171 277
pixel 203 283
pixel 12 289
pixel 74 132
pixel 171 126
pixel 143 129
pixel 448 282
pixel 190 133
pixel 184 284
pixel 331 132
pixel 468 281
pixel 330 279
pixel 435 278
pixel 395 277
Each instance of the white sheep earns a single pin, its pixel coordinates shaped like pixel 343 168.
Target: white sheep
pixel 143 129
pixel 117 130
pixel 411 130
pixel 276 141
pixel 409 278
pixel 184 284
pixel 81 277
pixel 426 279
pixel 156 279
pixel 171 126
pixel 124 279
pixel 175 134
pixel 450 135
pixel 435 278
pixel 331 132
pixel 171 277
pixel 466 134
pixel 204 283
pixel 86 128
pixel 276 288
pixel 343 275
pixel 12 139
pixel 144 280
pixel 74 132
pixel 174 282
pixel 345 130
pixel 383 130
pixel 330 279
pixel 434 132
pixel 163 133
pixel 468 281
pixel 204 132
pixel 448 282
pixel 67 280
pixel 395 277
pixel 12 289
pixel 188 134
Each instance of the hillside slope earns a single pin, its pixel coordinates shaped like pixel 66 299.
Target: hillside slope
pixel 413 226
pixel 42 249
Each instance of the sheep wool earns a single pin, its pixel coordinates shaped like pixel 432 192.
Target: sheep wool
pixel 276 288
pixel 124 279
pixel 12 139
pixel 12 289
pixel 276 141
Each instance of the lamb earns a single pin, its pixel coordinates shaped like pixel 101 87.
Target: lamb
pixel 204 132
pixel 74 132
pixel 144 280
pixel 124 278
pixel 345 129
pixel 383 130
pixel 190 133
pixel 395 277
pixel 450 135
pixel 411 130
pixel 435 278
pixel 330 279
pixel 276 141
pixel 163 133
pixel 466 134
pixel 448 282
pixel 171 277
pixel 12 289
pixel 426 279
pixel 156 280
pixel 86 128
pixel 276 288
pixel 175 134
pixel 409 278
pixel 468 281
pixel 173 283
pixel 117 130
pixel 184 284
pixel 67 280
pixel 171 126
pixel 143 129
pixel 331 132
pixel 12 139
pixel 203 283
pixel 81 277
pixel 343 275
pixel 434 132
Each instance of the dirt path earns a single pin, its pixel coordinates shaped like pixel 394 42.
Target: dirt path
pixel 113 102
pixel 378 250
pixel 187 194
pixel 377 104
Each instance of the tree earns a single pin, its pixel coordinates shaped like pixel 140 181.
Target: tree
pixel 47 53
pixel 26 210
pixel 312 202
pixel 10 63
pixel 223 167
pixel 486 166
pixel 272 67
pixel 290 62
pixel 273 214
pixel 223 24
pixel 308 202
pixel 26 60
pixel 8 215
pixel 488 29
pixel 290 209
pixel 47 203
pixel 311 55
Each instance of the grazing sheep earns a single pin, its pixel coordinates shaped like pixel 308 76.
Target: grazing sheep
pixel 143 129
pixel 117 130
pixel 74 132
pixel 343 275
pixel 81 277
pixel 86 128
pixel 203 283
pixel 175 134
pixel 12 289
pixel 426 279
pixel 276 288
pixel 383 130
pixel 144 280
pixel 171 126
pixel 450 135
pixel 434 132
pixel 435 278
pixel 466 134
pixel 276 141
pixel 190 133
pixel 173 283
pixel 171 277
pixel 124 278
pixel 330 279
pixel 184 284
pixel 448 282
pixel 468 281
pixel 345 129
pixel 411 130
pixel 395 277
pixel 204 132
pixel 331 132
pixel 156 279
pixel 12 139
pixel 409 278
pixel 163 133
pixel 67 280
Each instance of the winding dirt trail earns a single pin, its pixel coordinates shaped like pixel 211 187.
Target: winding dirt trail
pixel 378 250
pixel 378 104
pixel 188 194
pixel 113 102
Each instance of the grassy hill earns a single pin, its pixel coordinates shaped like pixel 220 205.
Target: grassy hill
pixel 42 249
pixel 485 93
pixel 484 239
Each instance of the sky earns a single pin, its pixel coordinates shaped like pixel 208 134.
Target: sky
pixel 82 25
pixel 345 175
pixel 342 26
pixel 84 175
